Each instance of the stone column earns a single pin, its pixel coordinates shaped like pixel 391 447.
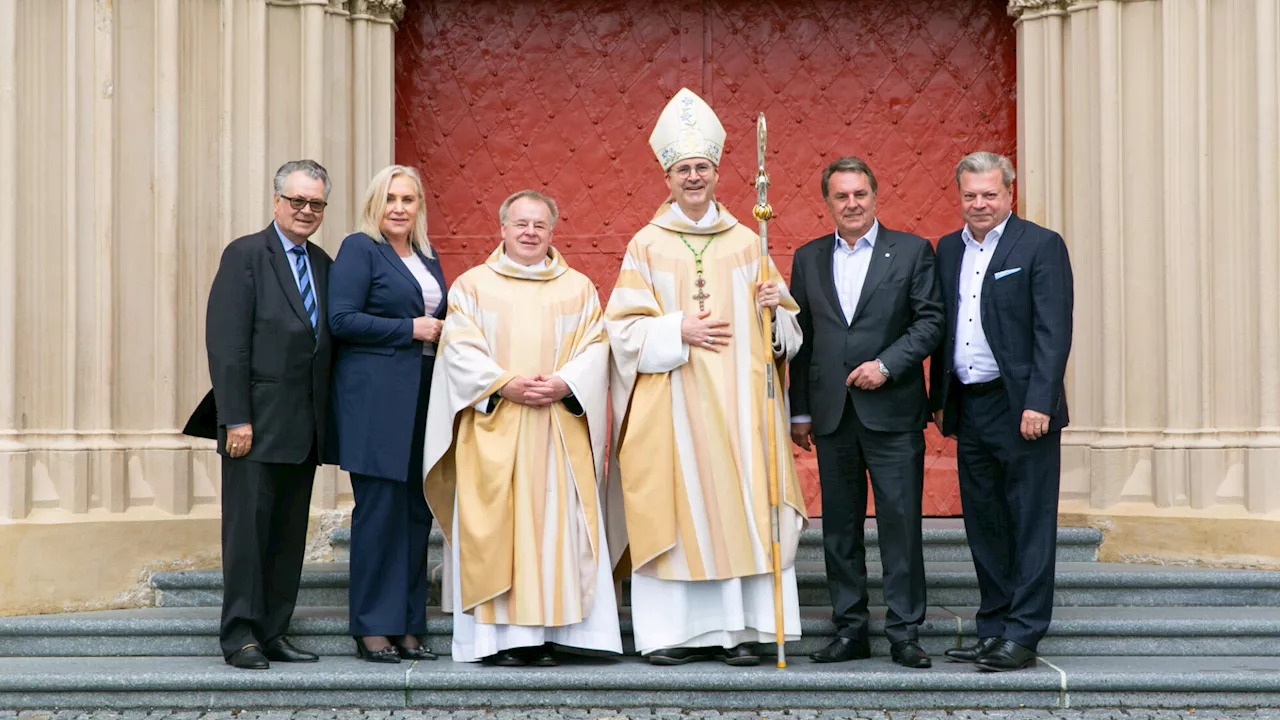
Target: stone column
pixel 14 496
pixel 157 125
pixel 1168 116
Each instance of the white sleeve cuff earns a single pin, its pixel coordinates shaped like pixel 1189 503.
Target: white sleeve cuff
pixel 482 406
pixel 664 350
pixel 801 419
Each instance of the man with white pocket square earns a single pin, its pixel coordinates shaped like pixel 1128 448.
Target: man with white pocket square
pixel 996 385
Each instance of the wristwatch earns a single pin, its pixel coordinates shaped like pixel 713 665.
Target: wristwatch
pixel 883 370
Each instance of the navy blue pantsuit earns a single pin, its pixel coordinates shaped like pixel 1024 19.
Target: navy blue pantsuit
pixel 389 528
pixel 382 382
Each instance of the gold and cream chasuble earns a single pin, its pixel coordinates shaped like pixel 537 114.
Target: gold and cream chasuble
pixel 689 438
pixel 515 490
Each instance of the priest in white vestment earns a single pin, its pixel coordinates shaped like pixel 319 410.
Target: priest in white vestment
pixel 689 415
pixel 515 450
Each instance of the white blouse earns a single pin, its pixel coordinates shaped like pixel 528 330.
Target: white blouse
pixel 432 293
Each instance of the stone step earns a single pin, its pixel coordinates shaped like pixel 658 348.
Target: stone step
pixel 949 584
pixel 944 541
pixel 1058 682
pixel 1169 631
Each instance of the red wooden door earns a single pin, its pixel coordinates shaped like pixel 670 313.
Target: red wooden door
pixel 494 96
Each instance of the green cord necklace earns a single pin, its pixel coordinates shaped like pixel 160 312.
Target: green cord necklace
pixel 701 282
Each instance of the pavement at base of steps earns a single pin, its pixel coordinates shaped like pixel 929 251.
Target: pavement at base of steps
pixel 669 713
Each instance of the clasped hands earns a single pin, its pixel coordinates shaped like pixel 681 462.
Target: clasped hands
pixel 536 391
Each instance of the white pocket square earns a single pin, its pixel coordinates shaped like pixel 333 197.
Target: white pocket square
pixel 1007 273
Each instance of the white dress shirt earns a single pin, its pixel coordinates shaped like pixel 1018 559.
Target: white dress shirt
pixel 849 265
pixel 974 362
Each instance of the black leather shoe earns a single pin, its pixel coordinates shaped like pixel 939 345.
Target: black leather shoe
pixel 681 655
pixel 415 653
pixel 543 657
pixel 843 649
pixel 249 657
pixel 908 653
pixel 281 650
pixel 973 652
pixel 508 658
pixel 387 654
pixel 743 655
pixel 1006 656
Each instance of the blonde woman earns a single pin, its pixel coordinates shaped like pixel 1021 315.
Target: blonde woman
pixel 386 302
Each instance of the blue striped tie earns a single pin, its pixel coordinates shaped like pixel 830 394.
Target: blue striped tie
pixel 304 283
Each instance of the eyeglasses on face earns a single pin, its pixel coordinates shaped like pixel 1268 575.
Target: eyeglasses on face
pixel 523 225
pixel 299 203
pixel 702 169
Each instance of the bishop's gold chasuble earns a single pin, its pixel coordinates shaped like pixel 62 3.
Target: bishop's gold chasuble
pixel 689 423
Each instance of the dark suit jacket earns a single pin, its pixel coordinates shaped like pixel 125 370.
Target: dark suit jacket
pixel 268 366
pixel 1026 316
pixel 373 299
pixel 898 319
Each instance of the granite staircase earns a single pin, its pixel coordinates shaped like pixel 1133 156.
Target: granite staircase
pixel 1122 635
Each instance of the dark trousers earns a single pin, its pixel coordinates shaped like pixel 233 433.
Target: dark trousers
pixel 264 536
pixel 390 525
pixel 1009 495
pixel 895 461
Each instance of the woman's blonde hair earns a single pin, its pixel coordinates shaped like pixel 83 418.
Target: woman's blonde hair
pixel 375 204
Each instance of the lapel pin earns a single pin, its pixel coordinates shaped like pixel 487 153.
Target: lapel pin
pixel 886 254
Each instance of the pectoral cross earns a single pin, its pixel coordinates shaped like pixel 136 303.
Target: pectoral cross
pixel 701 282
pixel 702 295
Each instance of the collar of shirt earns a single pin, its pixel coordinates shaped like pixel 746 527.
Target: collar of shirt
pixel 993 235
pixel 286 242
pixel 870 237
pixel 707 220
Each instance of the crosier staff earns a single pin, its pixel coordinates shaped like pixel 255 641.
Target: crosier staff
pixel 762 213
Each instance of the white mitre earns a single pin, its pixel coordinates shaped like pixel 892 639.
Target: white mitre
pixel 687 128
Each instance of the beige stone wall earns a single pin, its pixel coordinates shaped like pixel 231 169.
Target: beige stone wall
pixel 1149 134
pixel 140 137
pixel 137 137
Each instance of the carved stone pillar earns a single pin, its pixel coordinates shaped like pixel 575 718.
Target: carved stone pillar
pixel 1149 135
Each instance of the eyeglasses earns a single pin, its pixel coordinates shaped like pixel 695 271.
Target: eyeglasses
pixel 523 225
pixel 299 203
pixel 703 170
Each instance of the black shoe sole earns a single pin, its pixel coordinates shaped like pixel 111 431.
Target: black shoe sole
pixel 286 660
pixel 993 668
pixel 668 661
pixel 748 661
pixel 961 660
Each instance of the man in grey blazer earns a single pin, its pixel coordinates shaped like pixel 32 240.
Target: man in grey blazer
pixel 871 312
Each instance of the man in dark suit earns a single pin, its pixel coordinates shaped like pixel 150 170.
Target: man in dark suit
pixel 270 359
pixel 871 313
pixel 997 387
